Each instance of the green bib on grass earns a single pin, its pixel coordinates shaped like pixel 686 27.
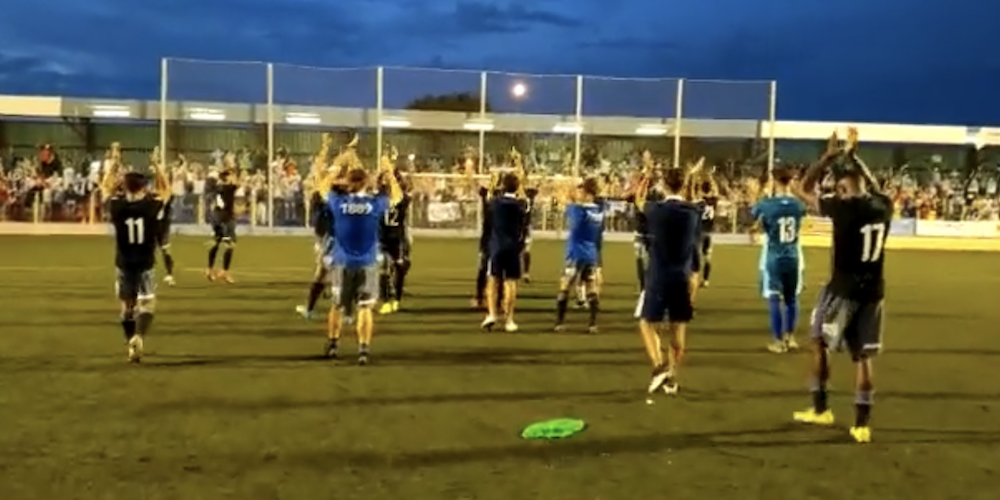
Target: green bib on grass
pixel 553 429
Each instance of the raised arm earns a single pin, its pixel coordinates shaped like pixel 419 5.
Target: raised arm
pixel 388 170
pixel 517 163
pixel 161 184
pixel 690 186
pixel 111 180
pixel 855 160
pixel 807 188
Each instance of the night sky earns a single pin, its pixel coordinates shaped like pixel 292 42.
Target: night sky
pixel 916 61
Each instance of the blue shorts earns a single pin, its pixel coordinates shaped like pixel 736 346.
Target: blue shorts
pixel 505 265
pixel 666 298
pixel 781 278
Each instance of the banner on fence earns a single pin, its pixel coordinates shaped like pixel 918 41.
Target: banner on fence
pixel 903 227
pixel 955 229
pixel 816 226
pixel 438 212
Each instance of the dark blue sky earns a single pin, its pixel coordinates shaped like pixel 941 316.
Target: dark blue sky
pixel 916 61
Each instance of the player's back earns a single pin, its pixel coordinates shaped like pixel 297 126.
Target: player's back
pixel 487 219
pixel 357 217
pixel 394 222
pixel 322 219
pixel 136 224
pixel 674 225
pixel 508 217
pixel 586 230
pixel 708 207
pixel 781 217
pixel 860 228
pixel 224 204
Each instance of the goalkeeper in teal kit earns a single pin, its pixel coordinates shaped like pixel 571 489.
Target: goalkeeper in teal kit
pixel 781 260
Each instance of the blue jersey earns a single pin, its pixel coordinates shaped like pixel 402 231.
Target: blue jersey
pixel 586 233
pixel 357 218
pixel 781 217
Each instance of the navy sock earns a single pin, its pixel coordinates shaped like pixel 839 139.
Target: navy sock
pixel 128 326
pixel 791 315
pixel 863 407
pixel 777 327
pixel 143 322
pixel 212 253
pixel 562 302
pixel 227 258
pixel 315 290
pixel 168 263
pixel 594 303
pixel 819 397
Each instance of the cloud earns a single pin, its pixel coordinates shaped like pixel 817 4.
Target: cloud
pixel 854 49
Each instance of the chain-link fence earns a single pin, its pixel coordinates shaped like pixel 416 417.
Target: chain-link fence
pixel 266 120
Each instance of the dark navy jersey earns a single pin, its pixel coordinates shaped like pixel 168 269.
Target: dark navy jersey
pixel 136 225
pixel 639 225
pixel 394 223
pixel 860 228
pixel 708 206
pixel 674 225
pixel 224 202
pixel 322 218
pixel 166 212
pixel 487 229
pixel 530 195
pixel 509 216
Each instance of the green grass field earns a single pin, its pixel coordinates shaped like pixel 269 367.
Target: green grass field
pixel 232 403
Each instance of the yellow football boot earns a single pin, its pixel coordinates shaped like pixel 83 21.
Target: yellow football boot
pixel 862 434
pixel 811 417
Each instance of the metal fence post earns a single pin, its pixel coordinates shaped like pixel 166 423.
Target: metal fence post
pixel 379 111
pixel 772 118
pixel 164 95
pixel 482 116
pixel 270 145
pixel 678 118
pixel 578 140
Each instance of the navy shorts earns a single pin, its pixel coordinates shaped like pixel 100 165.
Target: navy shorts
pixel 842 322
pixel 135 284
pixel 225 231
pixel 666 298
pixel 163 234
pixel 505 264
pixel 580 271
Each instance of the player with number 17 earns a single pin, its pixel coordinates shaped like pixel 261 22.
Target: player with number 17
pixel 849 311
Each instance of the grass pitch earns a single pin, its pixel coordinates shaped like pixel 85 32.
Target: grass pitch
pixel 232 403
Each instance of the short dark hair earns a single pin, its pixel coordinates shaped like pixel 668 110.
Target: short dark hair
pixel 782 176
pixel 134 182
pixel 356 179
pixel 590 186
pixel 511 183
pixel 706 186
pixel 674 179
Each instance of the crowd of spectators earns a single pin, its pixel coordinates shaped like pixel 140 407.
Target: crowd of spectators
pixel 47 187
